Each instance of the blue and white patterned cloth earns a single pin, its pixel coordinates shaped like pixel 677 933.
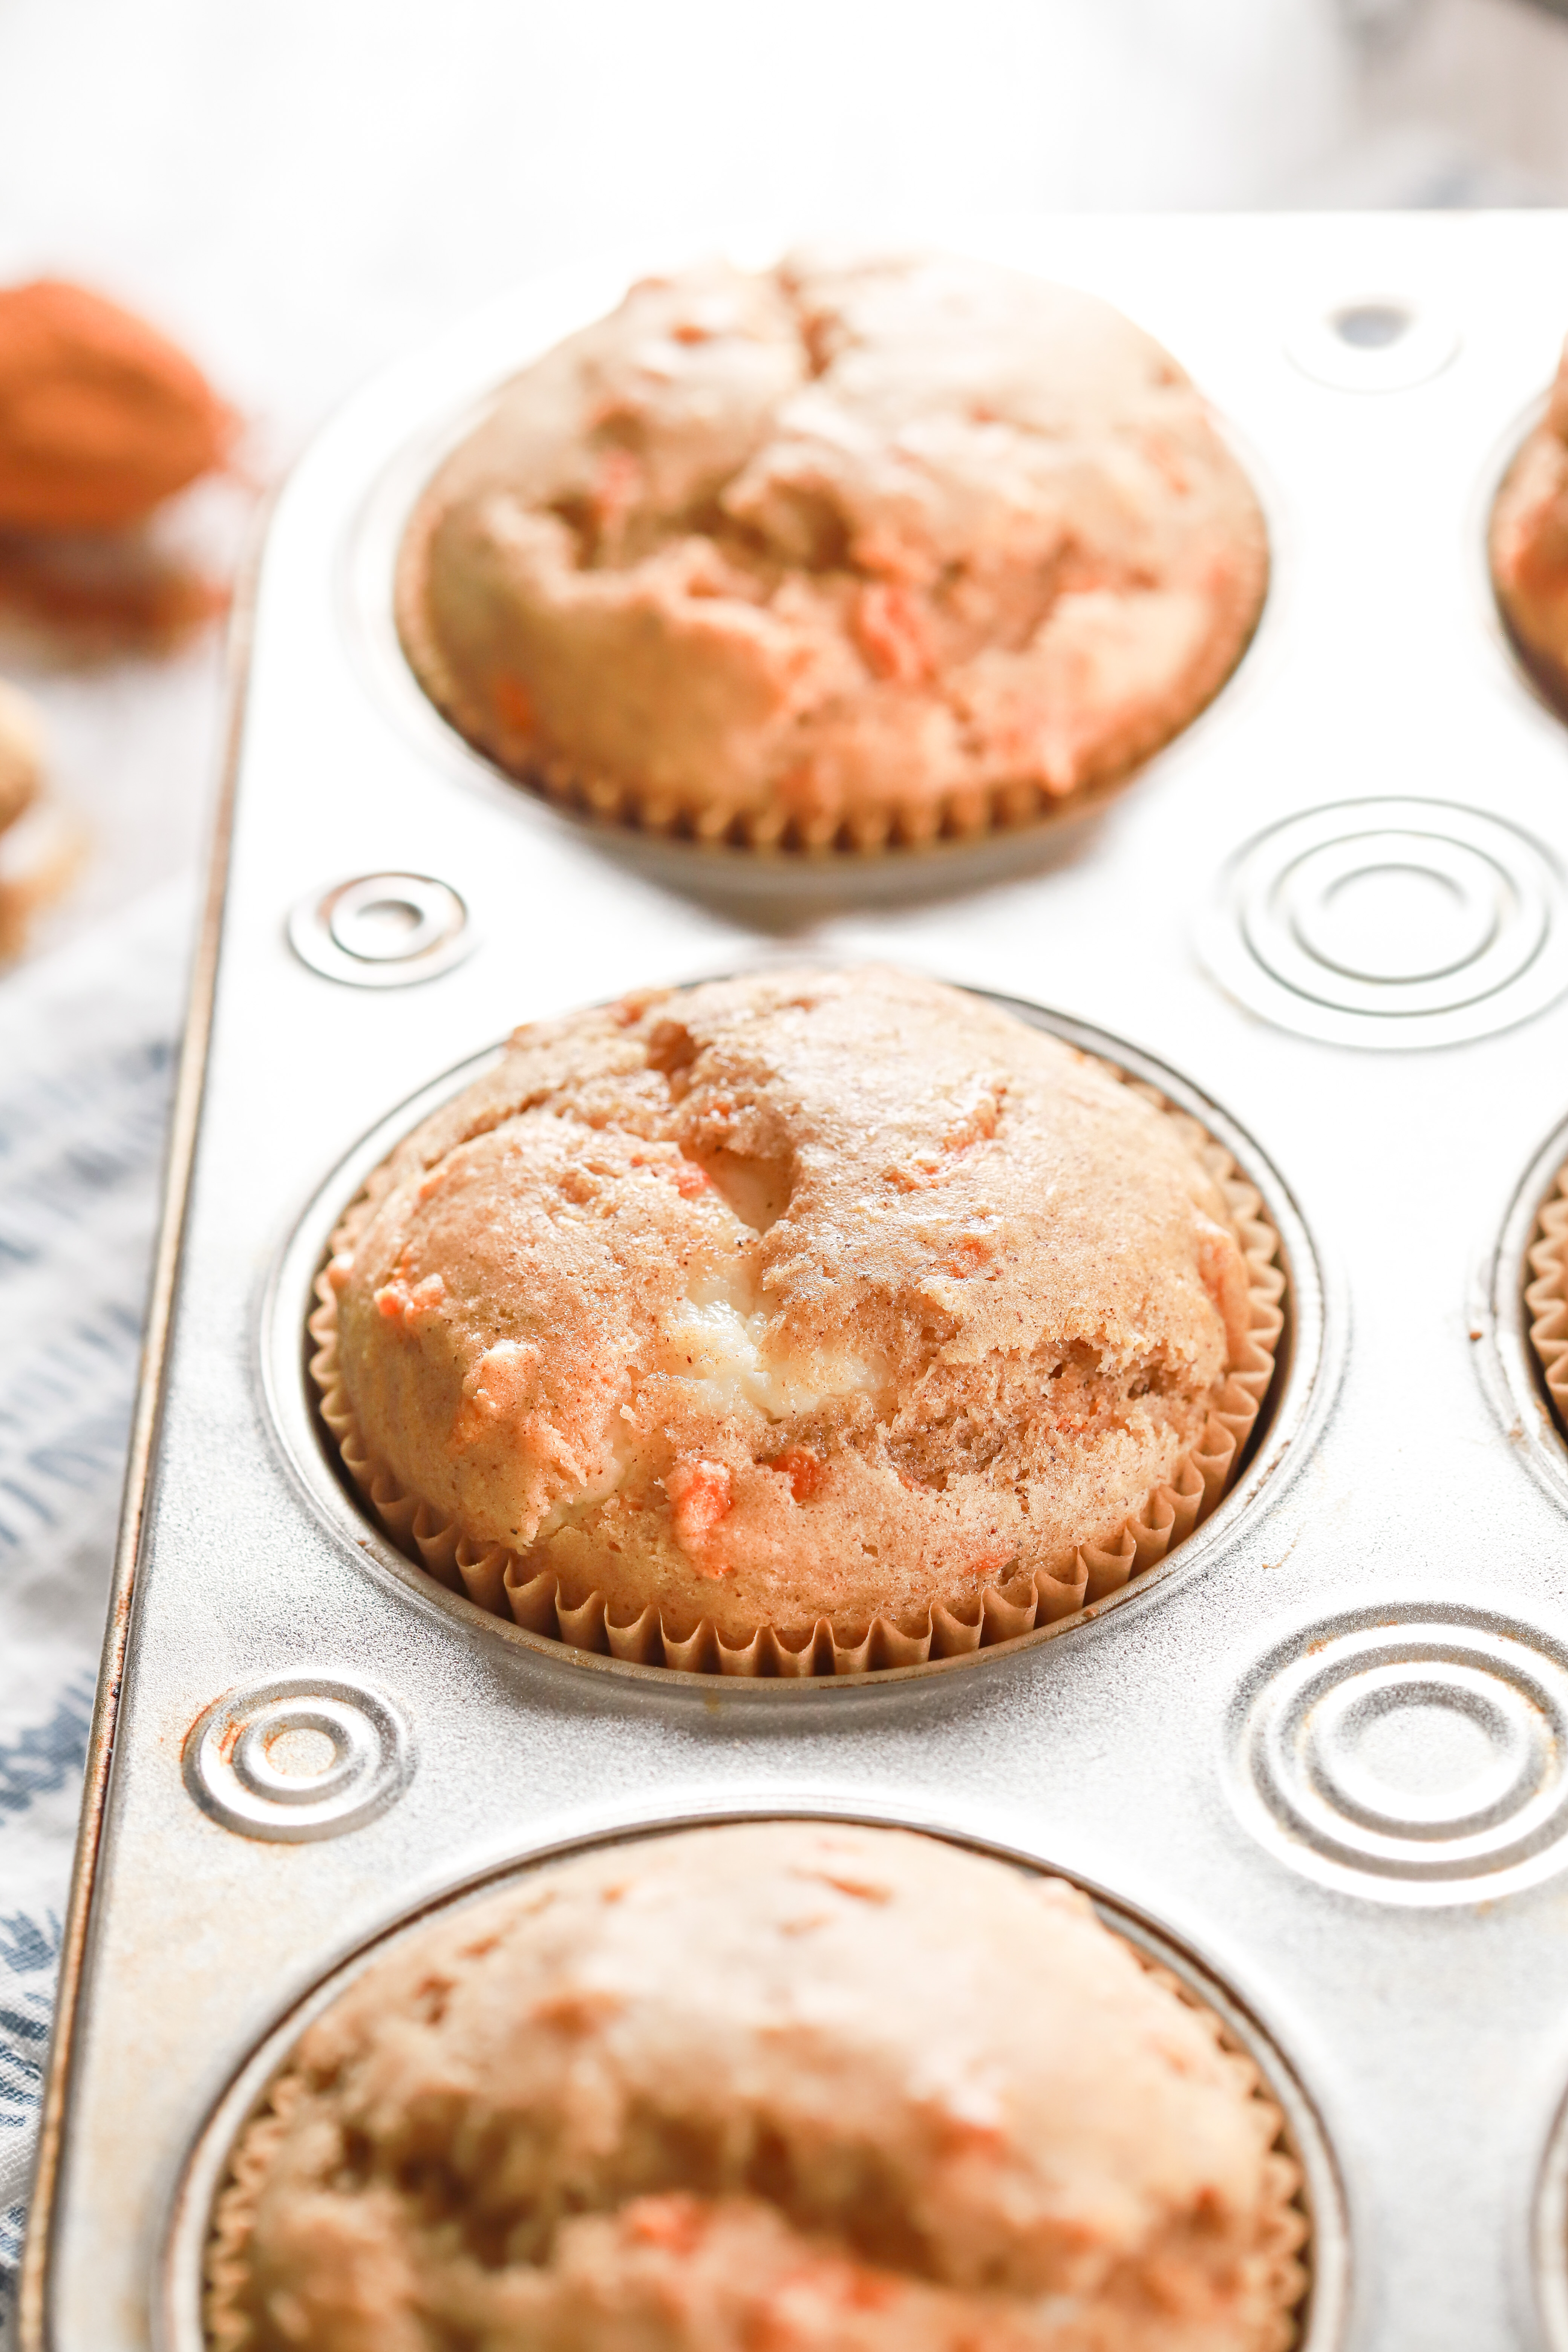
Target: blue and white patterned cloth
pixel 88 1040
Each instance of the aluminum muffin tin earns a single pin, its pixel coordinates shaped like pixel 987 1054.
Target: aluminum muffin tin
pixel 1317 1763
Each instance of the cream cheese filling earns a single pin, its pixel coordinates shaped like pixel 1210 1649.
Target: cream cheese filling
pixel 719 1343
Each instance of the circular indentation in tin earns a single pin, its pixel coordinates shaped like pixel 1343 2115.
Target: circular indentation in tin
pixel 1372 326
pixel 383 930
pixel 298 1756
pixel 393 918
pixel 1391 908
pixel 1319 2316
pixel 1373 342
pixel 304 1751
pixel 1425 1754
pixel 1274 1450
pixel 1430 1750
pixel 1394 922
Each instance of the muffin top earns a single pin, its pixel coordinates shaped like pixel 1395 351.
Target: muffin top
pixel 1529 543
pixel 810 1294
pixel 777 2086
pixel 849 549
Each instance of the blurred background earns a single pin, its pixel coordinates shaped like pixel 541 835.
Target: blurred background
pixel 296 191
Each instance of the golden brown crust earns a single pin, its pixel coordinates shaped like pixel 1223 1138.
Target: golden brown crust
pixel 763 2084
pixel 871 550
pixel 803 1322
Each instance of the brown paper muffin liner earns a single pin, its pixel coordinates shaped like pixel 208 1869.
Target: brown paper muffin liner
pixel 1282 2238
pixel 498 1579
pixel 1283 2227
pixel 1547 1296
pixel 957 816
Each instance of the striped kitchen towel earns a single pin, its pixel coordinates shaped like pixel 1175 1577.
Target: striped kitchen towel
pixel 87 1039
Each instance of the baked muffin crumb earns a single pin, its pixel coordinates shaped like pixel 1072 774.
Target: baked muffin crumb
pixel 773 2084
pixel 811 1312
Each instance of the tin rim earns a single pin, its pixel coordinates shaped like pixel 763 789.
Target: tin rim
pixel 366 567
pixel 1298 1397
pixel 1325 2254
pixel 1548 2225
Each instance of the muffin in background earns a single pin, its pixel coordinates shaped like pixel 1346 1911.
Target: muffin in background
pixel 854 552
pixel 103 424
pixel 806 1322
pixel 1528 545
pixel 783 2085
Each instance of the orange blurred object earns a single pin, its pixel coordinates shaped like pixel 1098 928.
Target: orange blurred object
pixel 101 418
pixel 90 599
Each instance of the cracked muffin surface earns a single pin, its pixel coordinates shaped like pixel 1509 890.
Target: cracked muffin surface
pixel 756 2089
pixel 805 1296
pixel 853 551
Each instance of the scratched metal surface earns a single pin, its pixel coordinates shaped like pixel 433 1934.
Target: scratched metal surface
pixel 1321 1762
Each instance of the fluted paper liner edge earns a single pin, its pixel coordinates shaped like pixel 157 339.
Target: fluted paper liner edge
pixel 1546 1298
pixel 978 814
pixel 1284 2231
pixel 499 1580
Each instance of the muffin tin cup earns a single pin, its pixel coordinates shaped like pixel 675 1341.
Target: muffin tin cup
pixel 1312 2197
pixel 1246 1445
pixel 1319 1744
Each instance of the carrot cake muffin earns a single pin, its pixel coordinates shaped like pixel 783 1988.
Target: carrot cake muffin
pixel 794 1314
pixel 782 2085
pixel 852 550
pixel 1529 546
